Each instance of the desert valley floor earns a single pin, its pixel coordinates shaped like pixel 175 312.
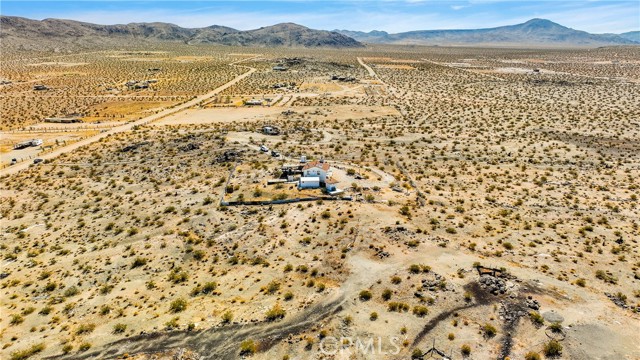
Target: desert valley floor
pixel 486 205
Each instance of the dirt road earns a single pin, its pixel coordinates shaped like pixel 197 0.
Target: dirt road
pixel 128 127
pixel 223 342
pixel 369 69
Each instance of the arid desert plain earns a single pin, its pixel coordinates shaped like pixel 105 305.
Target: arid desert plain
pixel 484 203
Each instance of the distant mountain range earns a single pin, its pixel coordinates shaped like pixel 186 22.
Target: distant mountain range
pixel 47 34
pixel 55 33
pixel 632 35
pixel 539 32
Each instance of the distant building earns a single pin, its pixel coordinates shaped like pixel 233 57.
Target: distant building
pixel 28 143
pixel 270 130
pixel 253 102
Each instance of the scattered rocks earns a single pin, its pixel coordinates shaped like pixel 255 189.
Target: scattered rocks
pixel 134 146
pixel 437 282
pixel 189 147
pixel 228 156
pixel 622 302
pixel 532 303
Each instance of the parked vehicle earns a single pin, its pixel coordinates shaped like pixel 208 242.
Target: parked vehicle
pixel 37 161
pixel 264 148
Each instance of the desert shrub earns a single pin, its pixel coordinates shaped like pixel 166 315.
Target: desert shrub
pixel 45 310
pixel 172 324
pixel 420 310
pixel 248 347
pixel 84 346
pixel 105 309
pixel 178 276
pixel 555 327
pixel 16 319
pixel 227 317
pixel 27 353
pixel 199 254
pixel 119 328
pixel 552 348
pixel 397 306
pixel 417 354
pixel 275 313
pixel 606 277
pixel 386 294
pixel 139 261
pixel 365 295
pixel 536 318
pixel 489 330
pixel 373 316
pixel 465 350
pixel 532 356
pixel 71 291
pixel 272 287
pixel 85 328
pixel 178 305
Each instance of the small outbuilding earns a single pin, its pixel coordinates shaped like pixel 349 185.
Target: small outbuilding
pixel 309 182
pixel 270 130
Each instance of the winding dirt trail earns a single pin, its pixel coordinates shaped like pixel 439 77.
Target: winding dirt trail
pixel 130 126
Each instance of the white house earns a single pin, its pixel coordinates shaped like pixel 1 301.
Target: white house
pixel 318 169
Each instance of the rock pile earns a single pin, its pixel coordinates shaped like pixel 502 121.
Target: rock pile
pixel 493 284
pixel 532 303
pixel 436 283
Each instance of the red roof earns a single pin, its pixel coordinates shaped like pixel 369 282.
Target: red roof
pixel 317 164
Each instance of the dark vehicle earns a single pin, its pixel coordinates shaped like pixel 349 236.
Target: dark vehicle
pixel 37 161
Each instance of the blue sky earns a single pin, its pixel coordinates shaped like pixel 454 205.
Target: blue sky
pixel 389 15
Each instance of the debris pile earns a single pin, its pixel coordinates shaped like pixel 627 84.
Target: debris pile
pixel 228 156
